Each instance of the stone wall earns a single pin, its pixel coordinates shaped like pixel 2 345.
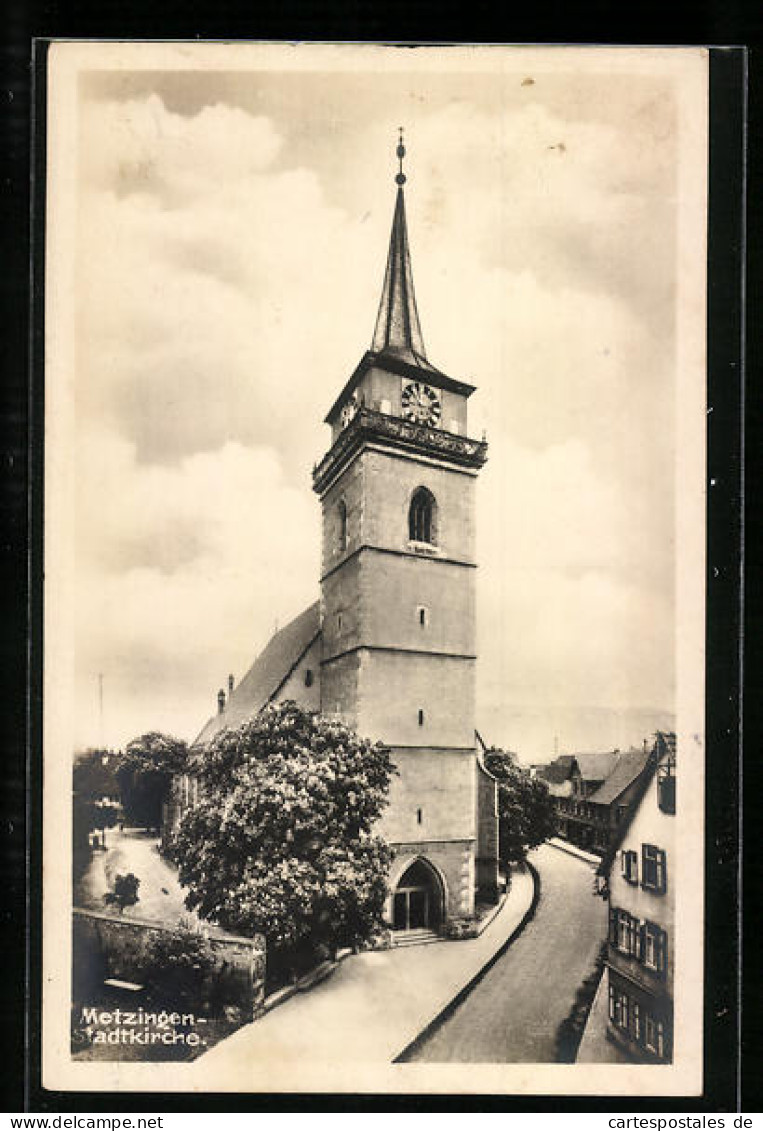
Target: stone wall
pixel 432 796
pixel 487 833
pixel 122 945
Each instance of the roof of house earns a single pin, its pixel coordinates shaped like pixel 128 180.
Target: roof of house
pixel 267 674
pixel 598 766
pixel 628 767
pixel 557 771
pixel 664 748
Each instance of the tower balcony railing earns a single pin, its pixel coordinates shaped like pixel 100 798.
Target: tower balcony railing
pixel 368 423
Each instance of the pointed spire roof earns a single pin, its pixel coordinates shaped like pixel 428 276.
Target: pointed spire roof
pixel 398 345
pixel 398 331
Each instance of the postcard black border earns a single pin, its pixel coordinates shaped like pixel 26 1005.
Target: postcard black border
pixel 724 525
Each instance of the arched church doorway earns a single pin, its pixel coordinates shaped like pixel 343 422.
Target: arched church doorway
pixel 417 904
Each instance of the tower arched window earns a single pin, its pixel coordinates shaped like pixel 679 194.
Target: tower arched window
pixel 422 517
pixel 342 512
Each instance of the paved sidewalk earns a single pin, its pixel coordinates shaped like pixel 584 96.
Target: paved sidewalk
pixel 371 1007
pixel 573 850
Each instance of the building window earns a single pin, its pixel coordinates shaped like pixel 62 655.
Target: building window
pixel 422 517
pixel 309 677
pixel 653 869
pixel 419 816
pixel 339 622
pixel 655 946
pixel 342 525
pixel 666 789
pixel 623 931
pixel 619 1011
pixel 638 1030
pixel 421 717
pixel 654 1035
pixel 629 864
pixel 423 615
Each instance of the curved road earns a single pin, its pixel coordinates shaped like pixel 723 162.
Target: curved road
pixel 513 1013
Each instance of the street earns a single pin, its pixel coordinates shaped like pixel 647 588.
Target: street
pixel 512 1015
pixel 160 896
pixel 370 1009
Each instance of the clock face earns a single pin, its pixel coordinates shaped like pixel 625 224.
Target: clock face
pixel 420 403
pixel 349 411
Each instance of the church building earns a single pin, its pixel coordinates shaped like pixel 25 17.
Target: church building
pixel 390 647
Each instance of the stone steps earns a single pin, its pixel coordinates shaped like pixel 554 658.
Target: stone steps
pixel 414 938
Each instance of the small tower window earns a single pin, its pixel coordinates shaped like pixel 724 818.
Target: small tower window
pixel 422 517
pixel 421 717
pixel 342 514
pixel 419 816
pixel 339 622
pixel 423 615
pixel 309 677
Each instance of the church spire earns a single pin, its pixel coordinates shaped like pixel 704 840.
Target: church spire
pixel 397 325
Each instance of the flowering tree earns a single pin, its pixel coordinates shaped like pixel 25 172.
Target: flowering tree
pixel 525 807
pixel 280 841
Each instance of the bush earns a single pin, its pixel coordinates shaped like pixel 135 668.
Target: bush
pixel 570 1032
pixel 179 965
pixel 463 927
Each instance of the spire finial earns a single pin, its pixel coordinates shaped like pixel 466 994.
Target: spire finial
pixel 400 178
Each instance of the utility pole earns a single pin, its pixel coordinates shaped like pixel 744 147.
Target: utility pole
pixel 100 709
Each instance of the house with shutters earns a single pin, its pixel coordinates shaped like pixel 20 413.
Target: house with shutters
pixel 390 646
pixel 639 877
pixel 592 793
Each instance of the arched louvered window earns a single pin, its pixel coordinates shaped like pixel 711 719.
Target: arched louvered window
pixel 422 517
pixel 342 509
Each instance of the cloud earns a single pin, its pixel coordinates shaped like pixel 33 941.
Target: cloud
pixel 203 310
pixel 181 575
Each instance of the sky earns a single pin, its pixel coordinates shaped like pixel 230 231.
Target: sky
pixel 232 233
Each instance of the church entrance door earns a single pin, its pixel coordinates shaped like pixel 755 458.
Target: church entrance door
pixel 417 903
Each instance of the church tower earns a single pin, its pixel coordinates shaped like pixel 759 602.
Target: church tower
pixel 397 490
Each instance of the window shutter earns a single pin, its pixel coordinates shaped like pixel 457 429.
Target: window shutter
pixel 662 871
pixel 613 925
pixel 662 952
pixel 641 942
pixel 667 793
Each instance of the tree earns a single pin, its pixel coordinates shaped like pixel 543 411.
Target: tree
pixel 145 775
pixel 94 775
pixel 89 816
pixel 125 891
pixel 95 793
pixel 525 807
pixel 280 841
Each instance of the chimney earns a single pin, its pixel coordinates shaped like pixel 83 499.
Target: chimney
pixel 220 701
pixel 230 685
